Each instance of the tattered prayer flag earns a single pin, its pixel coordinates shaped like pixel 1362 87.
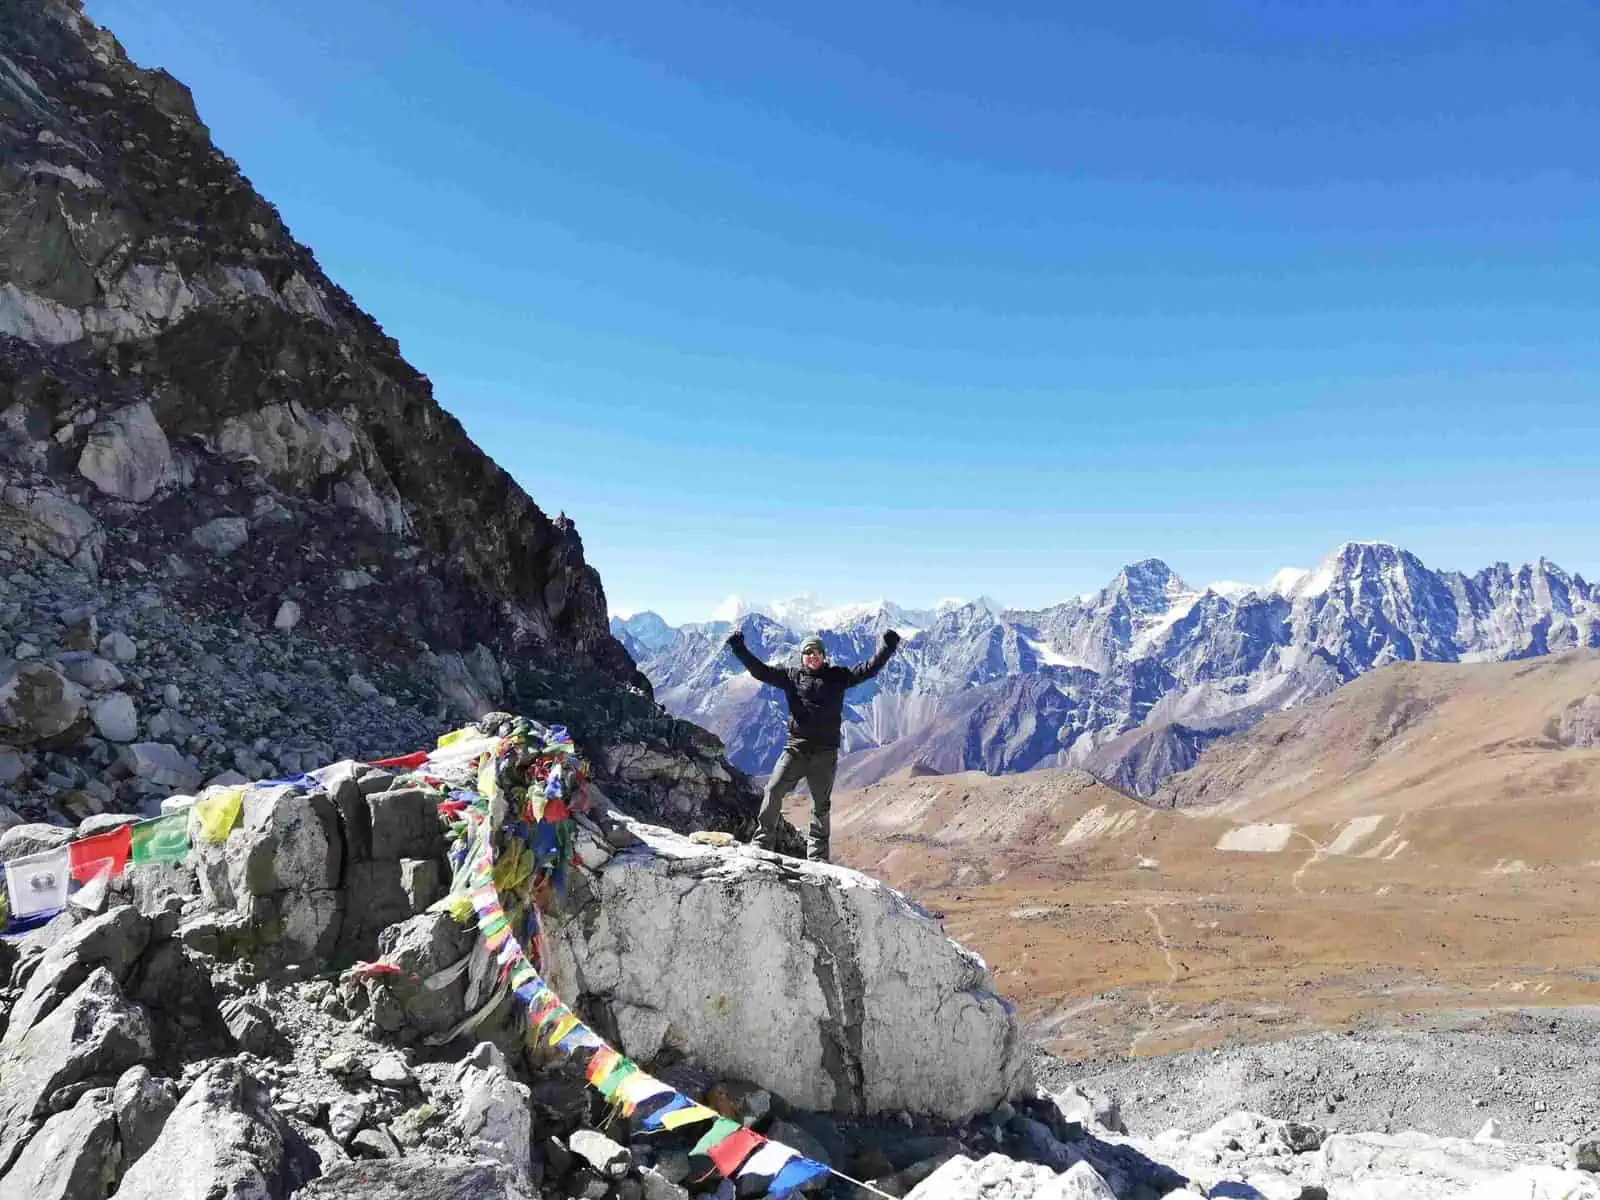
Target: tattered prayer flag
pixel 38 883
pixel 95 879
pixel 555 810
pixel 692 1115
pixel 402 762
pixel 163 840
pixel 798 1173
pixel 486 778
pixel 581 1038
pixel 601 1065
pixel 767 1162
pixel 638 1088
pixel 720 1129
pixel 456 735
pixel 608 1086
pixel 563 1027
pixel 87 854
pixel 656 1118
pixel 215 816
pixel 729 1153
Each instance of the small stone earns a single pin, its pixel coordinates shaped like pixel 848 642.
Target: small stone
pixel 391 1071
pixel 171 694
pixel 115 717
pixel 118 647
pixel 25 651
pixel 346 1115
pixel 288 616
pixel 222 536
pixel 362 686
pixel 374 1143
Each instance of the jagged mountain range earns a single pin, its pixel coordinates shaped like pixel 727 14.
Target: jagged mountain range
pixel 1131 682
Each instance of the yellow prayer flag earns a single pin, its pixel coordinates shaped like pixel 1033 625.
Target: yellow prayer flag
pixel 216 815
pixel 454 736
pixel 563 1027
pixel 486 778
pixel 688 1116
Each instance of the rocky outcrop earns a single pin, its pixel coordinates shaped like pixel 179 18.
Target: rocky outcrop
pixel 815 982
pixel 241 478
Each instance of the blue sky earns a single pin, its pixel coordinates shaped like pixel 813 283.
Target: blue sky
pixel 920 299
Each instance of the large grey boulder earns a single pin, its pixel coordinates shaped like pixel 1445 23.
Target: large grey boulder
pixel 496 1112
pixel 75 1156
pixel 428 1179
pixel 50 520
pixel 97 1032
pixel 428 944
pixel 143 1103
pixel 37 702
pixel 127 455
pixel 223 1141
pixel 113 940
pixel 828 987
pixel 280 869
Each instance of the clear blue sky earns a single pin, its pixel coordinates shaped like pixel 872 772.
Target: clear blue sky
pixel 917 299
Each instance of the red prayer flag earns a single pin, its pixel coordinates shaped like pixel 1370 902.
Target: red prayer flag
pixel 406 762
pixel 729 1154
pixel 87 855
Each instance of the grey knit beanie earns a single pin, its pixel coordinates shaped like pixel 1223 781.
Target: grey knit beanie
pixel 813 643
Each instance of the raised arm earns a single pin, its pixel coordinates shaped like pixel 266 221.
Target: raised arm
pixel 753 664
pixel 865 671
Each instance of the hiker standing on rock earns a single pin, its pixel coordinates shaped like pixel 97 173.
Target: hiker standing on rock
pixel 815 692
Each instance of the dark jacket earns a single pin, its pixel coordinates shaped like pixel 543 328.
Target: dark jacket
pixel 816 698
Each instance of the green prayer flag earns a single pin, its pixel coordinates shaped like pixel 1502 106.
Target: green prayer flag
pixel 608 1085
pixel 720 1129
pixel 163 840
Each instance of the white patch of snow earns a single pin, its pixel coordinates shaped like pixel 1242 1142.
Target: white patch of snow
pixel 1150 634
pixel 1353 833
pixel 1049 656
pixel 1256 839
pixel 1100 821
pixel 1284 581
pixel 1231 589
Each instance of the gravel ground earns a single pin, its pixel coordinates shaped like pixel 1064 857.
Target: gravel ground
pixel 1535 1071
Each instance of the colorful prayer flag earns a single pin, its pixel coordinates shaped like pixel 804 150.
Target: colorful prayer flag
pixel 796 1174
pixel 728 1154
pixel 601 1065
pixel 86 854
pixel 38 883
pixel 720 1129
pixel 608 1086
pixel 692 1115
pixel 163 840
pixel 216 815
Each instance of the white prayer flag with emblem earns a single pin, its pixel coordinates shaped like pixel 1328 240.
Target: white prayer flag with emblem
pixel 38 884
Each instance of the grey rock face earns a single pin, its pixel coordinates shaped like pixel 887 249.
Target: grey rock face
pixel 74 1156
pixel 143 1103
pixel 97 1031
pixel 223 1141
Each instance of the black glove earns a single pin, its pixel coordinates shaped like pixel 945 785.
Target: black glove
pixel 736 638
pixel 891 639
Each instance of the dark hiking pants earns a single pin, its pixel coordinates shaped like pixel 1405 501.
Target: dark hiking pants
pixel 816 767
